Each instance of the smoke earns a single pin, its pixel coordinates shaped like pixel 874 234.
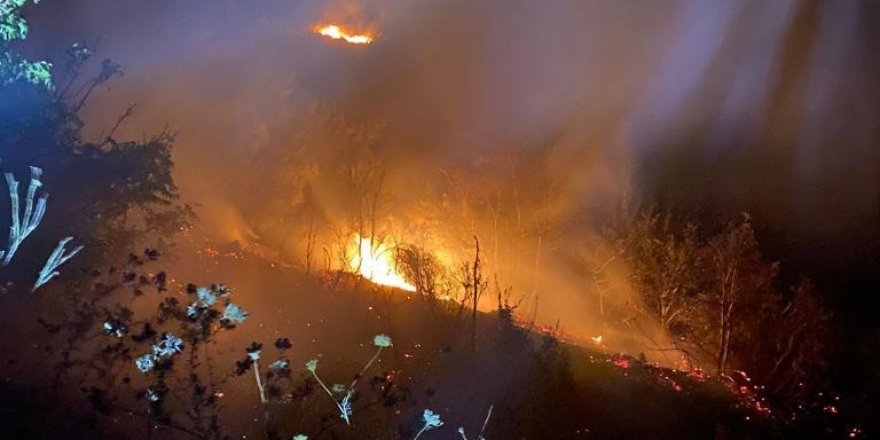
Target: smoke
pixel 682 100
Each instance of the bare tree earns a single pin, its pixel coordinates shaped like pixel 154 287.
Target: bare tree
pixel 739 276
pixel 478 286
pixel 364 177
pixel 311 214
pixel 473 284
pixel 787 351
pixel 668 265
pixel 421 269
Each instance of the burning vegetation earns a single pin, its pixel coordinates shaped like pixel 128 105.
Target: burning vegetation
pixel 337 32
pixel 377 262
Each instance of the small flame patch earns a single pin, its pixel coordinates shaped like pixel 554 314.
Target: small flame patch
pixel 375 261
pixel 337 32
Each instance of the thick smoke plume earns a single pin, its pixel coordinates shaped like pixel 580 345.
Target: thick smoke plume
pixel 552 113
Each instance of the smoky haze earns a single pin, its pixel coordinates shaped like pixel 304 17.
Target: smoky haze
pixel 769 107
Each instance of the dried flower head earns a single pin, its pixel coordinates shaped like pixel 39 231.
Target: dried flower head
pixel 152 395
pixel 169 345
pixel 145 363
pixel 382 340
pixel 312 365
pixel 432 420
pixel 280 364
pixel 234 313
pixel 206 296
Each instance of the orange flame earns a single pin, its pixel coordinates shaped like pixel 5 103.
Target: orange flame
pixel 375 262
pixel 337 32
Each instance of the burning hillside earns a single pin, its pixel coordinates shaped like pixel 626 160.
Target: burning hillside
pixel 337 219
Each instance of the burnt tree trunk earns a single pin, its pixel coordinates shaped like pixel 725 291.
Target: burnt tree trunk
pixel 476 293
pixel 726 303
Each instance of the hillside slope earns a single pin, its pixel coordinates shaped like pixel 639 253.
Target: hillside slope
pixel 537 386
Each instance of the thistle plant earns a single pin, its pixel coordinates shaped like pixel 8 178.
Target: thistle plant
pixel 267 385
pixel 380 341
pixel 23 225
pixel 58 257
pixel 233 314
pixel 431 420
pixel 204 312
pixel 173 377
pixel 211 311
pixel 277 369
pixel 344 406
pixel 254 356
pixel 168 346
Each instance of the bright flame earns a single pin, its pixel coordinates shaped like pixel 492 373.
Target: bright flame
pixel 337 32
pixel 378 262
pixel 597 339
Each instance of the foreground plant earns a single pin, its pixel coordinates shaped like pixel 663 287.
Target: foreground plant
pixel 279 368
pixel 212 311
pixel 58 257
pixel 254 356
pixel 380 341
pixel 482 429
pixel 344 406
pixel 431 420
pixel 23 224
pixel 268 389
pixel 167 347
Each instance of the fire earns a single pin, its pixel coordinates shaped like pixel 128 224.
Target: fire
pixel 337 32
pixel 378 263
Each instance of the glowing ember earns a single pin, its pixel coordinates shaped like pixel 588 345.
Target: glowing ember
pixel 622 363
pixel 337 32
pixel 378 262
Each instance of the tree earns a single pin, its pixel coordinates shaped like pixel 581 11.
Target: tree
pixel 472 279
pixel 740 279
pixel 422 270
pixel 717 297
pixel 788 348
pixel 667 267
pixel 117 192
pixel 13 67
pixel 479 285
pixel 365 177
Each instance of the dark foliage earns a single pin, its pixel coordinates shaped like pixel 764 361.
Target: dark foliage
pixel 107 193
